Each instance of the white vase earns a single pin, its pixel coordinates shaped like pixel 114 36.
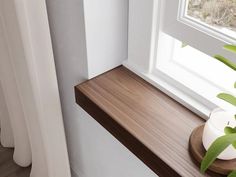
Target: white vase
pixel 214 128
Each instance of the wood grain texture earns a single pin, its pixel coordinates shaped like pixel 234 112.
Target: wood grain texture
pixel 149 123
pixel 198 152
pixel 8 168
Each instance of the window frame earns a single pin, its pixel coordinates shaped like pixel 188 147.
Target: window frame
pixel 201 26
pixel 145 36
pixel 199 35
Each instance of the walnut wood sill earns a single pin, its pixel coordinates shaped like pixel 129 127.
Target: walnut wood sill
pixel 149 123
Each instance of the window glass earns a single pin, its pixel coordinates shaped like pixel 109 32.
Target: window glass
pixel 219 14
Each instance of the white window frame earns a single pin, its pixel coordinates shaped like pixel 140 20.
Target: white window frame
pixel 202 26
pixel 191 31
pixel 145 32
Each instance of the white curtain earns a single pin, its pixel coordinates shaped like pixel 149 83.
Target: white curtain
pixel 30 112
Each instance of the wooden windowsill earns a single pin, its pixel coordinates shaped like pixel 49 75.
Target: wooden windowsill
pixel 150 124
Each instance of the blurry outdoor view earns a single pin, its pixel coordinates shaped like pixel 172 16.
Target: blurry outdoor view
pixel 218 13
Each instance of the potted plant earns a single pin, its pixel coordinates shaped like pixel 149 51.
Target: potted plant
pixel 221 145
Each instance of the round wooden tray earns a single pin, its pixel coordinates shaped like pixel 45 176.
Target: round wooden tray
pixel 198 151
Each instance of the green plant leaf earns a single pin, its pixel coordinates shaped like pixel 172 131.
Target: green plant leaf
pixel 235 85
pixel 235 116
pixel 234 144
pixel 227 97
pixel 232 174
pixel 231 48
pixel 230 130
pixel 218 146
pixel 226 61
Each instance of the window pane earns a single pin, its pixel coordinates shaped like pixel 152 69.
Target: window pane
pixel 220 14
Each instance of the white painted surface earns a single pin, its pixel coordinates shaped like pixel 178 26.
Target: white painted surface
pixel 142 33
pixel 153 61
pixel 106 34
pixel 144 60
pixel 93 151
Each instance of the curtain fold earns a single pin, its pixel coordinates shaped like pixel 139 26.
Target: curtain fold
pixel 30 112
pixel 6 136
pixel 22 153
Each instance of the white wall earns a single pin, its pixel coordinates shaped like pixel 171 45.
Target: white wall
pixel 106 24
pixel 93 151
